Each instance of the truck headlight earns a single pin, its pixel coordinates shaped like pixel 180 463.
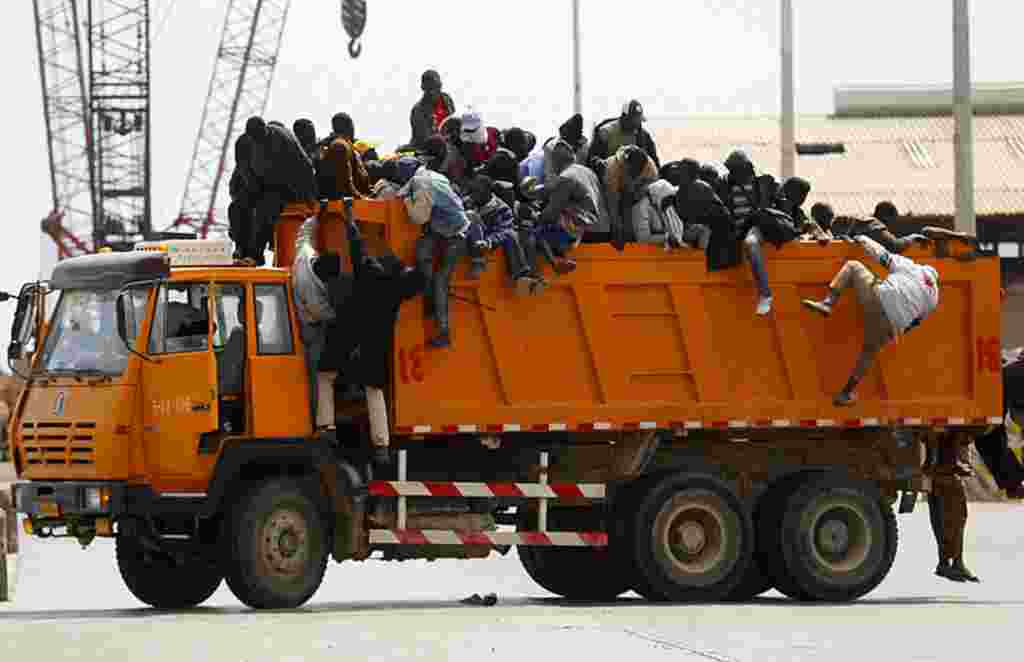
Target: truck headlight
pixel 97 499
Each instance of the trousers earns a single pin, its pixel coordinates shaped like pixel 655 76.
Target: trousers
pixel 878 330
pixel 438 280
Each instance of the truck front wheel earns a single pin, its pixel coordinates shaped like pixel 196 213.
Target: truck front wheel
pixel 276 545
pixel 163 580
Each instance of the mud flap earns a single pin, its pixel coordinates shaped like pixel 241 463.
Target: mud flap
pixel 346 491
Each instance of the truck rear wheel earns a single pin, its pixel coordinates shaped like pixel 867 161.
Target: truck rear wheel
pixel 583 574
pixel 164 582
pixel 838 538
pixel 768 515
pixel 692 539
pixel 276 545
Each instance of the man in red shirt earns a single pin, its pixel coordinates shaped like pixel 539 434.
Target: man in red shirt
pixel 430 111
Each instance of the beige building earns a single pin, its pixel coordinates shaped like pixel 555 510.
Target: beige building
pixel 896 145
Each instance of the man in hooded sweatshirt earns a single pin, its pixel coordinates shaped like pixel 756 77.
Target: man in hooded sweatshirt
pixel 430 111
pixel 381 285
pixel 891 307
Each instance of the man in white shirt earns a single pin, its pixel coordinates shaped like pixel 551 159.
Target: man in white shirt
pixel 891 306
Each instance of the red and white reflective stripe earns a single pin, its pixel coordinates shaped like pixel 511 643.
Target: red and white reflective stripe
pixel 715 424
pixel 533 539
pixel 394 488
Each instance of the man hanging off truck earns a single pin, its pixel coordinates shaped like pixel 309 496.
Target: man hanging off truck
pixel 891 306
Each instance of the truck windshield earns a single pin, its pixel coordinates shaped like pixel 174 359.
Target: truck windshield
pixel 83 337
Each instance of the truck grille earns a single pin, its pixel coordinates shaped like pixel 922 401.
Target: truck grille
pixel 58 444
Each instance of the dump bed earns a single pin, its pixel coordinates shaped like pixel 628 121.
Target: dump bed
pixel 648 338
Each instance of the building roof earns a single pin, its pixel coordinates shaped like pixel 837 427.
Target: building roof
pixel 908 160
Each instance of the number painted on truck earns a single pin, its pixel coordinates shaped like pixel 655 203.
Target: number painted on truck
pixel 990 356
pixel 410 364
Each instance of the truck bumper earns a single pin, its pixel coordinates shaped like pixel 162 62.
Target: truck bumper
pixel 54 500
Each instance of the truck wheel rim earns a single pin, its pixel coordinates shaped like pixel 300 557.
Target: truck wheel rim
pixel 283 543
pixel 840 536
pixel 696 534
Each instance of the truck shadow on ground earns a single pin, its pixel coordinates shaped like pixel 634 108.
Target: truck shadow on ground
pixel 28 616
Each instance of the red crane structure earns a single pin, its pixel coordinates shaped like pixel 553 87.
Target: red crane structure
pixel 239 88
pixel 94 69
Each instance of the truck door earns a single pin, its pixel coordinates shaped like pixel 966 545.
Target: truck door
pixel 179 387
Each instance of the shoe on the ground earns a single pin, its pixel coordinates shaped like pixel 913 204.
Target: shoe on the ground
pixel 564 265
pixel 958 565
pixel 844 399
pixel 947 571
pixel 818 306
pixel 442 339
pixel 523 285
pixel 764 306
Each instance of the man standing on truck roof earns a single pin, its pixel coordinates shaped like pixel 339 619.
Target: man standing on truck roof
pixel 433 108
pixel 311 274
pixel 891 306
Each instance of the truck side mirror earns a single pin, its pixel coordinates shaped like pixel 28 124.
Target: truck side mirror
pixel 122 325
pixel 23 325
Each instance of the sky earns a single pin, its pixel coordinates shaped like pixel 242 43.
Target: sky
pixel 510 61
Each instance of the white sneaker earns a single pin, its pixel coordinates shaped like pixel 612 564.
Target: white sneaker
pixel 764 306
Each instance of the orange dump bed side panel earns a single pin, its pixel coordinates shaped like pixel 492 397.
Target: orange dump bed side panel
pixel 645 336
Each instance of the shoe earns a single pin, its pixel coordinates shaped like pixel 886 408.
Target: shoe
pixel 958 566
pixel 537 285
pixel 764 306
pixel 844 399
pixel 441 340
pixel 946 571
pixel 381 456
pixel 818 306
pixel 564 265
pixel 523 285
pixel 962 470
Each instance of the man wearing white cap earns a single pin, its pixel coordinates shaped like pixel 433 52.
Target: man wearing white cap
pixel 626 129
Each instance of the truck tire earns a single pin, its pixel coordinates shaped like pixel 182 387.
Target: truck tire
pixel 693 539
pixel 838 538
pixel 276 545
pixel 755 582
pixel 578 574
pixel 162 582
pixel 768 515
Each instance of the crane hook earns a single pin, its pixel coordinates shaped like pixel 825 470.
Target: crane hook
pixel 355 48
pixel 353 19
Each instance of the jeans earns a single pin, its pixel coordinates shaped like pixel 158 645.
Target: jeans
pixel 515 256
pixel 752 246
pixel 438 281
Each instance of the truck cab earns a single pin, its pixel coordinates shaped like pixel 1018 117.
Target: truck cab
pixel 150 362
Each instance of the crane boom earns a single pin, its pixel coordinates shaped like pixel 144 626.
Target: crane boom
pixel 239 88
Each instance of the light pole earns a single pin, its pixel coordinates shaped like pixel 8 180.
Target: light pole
pixel 788 139
pixel 577 85
pixel 964 120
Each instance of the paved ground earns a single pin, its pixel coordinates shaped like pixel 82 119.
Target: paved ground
pixel 71 604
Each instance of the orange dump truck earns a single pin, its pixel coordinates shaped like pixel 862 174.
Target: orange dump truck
pixel 635 427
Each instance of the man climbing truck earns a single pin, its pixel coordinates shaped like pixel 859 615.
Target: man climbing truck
pixel 623 430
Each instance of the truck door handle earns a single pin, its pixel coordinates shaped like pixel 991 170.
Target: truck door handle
pixel 202 406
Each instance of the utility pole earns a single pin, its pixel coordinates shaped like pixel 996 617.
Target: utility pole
pixel 788 140
pixel 964 120
pixel 577 85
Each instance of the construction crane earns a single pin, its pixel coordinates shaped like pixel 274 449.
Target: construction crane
pixel 94 64
pixel 239 87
